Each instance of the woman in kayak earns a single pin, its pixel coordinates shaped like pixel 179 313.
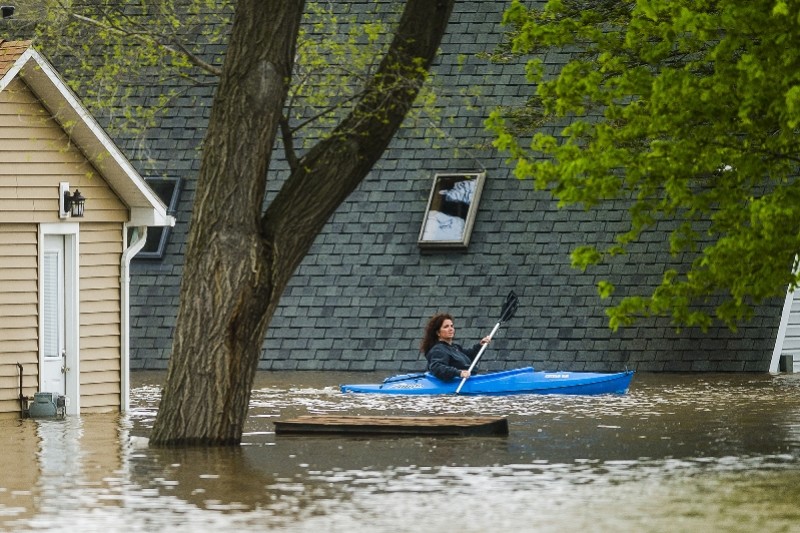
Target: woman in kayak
pixel 446 360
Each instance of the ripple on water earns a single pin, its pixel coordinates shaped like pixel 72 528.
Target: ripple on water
pixel 679 452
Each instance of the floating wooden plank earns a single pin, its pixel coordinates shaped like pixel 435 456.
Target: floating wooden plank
pixel 393 425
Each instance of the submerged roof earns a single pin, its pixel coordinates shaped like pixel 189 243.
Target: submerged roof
pixel 20 59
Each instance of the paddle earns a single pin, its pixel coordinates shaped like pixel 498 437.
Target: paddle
pixel 509 308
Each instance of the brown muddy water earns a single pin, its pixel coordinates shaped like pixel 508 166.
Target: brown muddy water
pixel 677 453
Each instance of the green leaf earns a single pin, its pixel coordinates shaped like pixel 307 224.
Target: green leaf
pixel 605 289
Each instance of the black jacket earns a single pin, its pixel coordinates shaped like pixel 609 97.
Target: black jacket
pixel 446 361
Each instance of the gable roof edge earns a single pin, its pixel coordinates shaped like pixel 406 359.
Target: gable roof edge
pixel 146 208
pixel 12 72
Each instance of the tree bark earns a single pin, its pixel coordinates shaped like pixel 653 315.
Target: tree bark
pixel 240 259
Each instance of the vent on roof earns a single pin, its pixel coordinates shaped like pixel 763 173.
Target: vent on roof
pixel 8 11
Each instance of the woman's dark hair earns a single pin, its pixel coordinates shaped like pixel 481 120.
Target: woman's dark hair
pixel 431 334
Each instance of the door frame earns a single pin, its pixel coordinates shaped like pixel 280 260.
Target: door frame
pixel 71 234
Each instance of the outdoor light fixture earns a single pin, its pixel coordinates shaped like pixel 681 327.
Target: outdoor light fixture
pixel 70 204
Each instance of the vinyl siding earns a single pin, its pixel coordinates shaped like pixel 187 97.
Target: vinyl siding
pixel 790 343
pixel 18 313
pixel 35 155
pixel 101 251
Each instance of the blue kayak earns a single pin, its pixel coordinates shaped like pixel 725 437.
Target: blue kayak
pixel 519 381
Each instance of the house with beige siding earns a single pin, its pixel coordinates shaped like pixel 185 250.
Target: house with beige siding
pixel 64 275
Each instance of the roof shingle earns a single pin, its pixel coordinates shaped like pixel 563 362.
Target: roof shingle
pixel 10 51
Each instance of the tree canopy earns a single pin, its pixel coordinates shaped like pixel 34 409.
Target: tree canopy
pixel 689 111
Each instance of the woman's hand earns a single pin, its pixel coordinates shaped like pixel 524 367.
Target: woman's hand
pixel 464 374
pixel 486 340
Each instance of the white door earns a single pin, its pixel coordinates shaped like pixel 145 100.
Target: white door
pixel 54 361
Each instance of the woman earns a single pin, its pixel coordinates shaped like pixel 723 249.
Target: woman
pixel 446 360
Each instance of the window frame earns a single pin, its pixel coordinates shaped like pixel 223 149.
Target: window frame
pixel 434 212
pixel 161 234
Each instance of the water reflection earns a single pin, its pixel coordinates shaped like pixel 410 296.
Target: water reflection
pixel 678 453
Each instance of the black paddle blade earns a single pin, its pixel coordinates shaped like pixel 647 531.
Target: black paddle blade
pixel 510 307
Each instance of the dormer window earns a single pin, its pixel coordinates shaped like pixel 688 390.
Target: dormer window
pixel 450 214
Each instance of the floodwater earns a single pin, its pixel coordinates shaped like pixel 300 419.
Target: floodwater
pixel 677 453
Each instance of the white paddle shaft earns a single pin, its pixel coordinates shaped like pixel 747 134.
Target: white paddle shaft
pixel 480 353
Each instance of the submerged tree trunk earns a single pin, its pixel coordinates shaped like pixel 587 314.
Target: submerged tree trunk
pixel 226 286
pixel 239 260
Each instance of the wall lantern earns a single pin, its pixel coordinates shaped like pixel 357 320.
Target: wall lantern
pixel 70 204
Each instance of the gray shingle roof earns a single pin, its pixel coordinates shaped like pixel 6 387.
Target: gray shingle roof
pixel 361 297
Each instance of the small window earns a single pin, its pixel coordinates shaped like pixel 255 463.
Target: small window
pixel 168 190
pixel 450 215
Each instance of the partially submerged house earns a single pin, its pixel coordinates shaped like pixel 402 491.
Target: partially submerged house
pixel 360 298
pixel 68 200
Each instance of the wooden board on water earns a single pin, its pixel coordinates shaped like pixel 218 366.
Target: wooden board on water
pixel 393 425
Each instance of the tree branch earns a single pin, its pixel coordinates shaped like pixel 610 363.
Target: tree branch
pixel 334 167
pixel 174 47
pixel 288 143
